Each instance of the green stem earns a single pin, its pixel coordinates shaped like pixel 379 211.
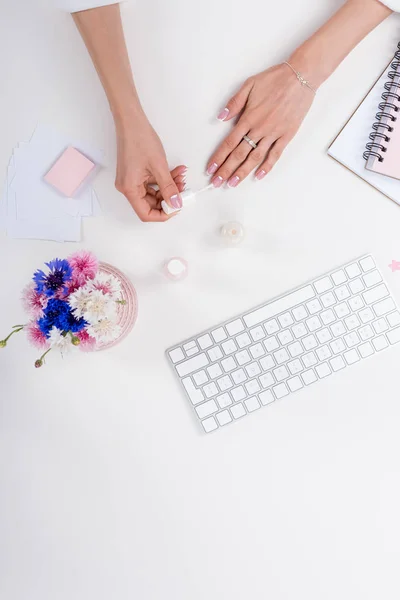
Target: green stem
pixel 20 328
pixel 15 326
pixel 43 355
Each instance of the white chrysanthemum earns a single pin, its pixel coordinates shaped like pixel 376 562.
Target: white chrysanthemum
pixel 78 301
pixel 104 330
pixel 108 284
pixel 99 306
pixel 60 342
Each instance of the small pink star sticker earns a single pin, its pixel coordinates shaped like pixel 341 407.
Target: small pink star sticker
pixel 395 266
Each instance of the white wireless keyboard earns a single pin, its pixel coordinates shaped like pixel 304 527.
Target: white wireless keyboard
pixel 287 344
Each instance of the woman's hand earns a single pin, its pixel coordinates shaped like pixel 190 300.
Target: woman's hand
pixel 271 106
pixel 142 164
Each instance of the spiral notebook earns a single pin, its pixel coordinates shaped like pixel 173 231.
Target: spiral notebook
pixel 369 143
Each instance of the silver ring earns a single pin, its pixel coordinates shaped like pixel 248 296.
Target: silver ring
pixel 250 141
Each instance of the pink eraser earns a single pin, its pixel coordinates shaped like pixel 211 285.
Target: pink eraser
pixel 69 171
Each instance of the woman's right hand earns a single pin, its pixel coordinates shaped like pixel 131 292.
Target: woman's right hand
pixel 141 164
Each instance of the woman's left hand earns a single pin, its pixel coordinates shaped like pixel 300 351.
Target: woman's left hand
pixel 272 106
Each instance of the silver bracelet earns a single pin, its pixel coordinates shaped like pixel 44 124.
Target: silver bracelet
pixel 303 81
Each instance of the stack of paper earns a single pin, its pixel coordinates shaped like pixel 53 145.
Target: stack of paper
pixel 32 209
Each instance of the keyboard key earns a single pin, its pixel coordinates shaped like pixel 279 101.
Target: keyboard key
pixel 271 344
pixel 324 335
pixel 314 306
pixel 342 292
pixel 356 303
pixel 194 350
pixel 224 417
pixel 206 409
pixel 394 335
pixel 225 400
pixel 365 349
pixel 252 404
pixel 310 342
pixel 219 334
pixel 195 395
pixel 215 353
pixel 328 299
pixel 176 355
pixel 271 326
pixel 342 310
pixel 309 377
pixel 252 386
pixel 257 350
pixel 295 349
pixel 327 317
pixel 210 389
pixel 189 346
pixel 352 322
pixel 285 337
pixel 366 315
pixel 338 329
pixel 238 411
pixel 339 277
pixel 356 286
pixel 278 306
pixel 209 424
pixel 281 373
pixel 281 356
pixel 394 319
pixel 367 264
pixel 243 357
pixel 380 326
pixel 243 340
pixel 266 380
pixel 214 371
pixel 267 363
pixel 200 377
pixel 323 285
pixel 286 320
pixel 229 347
pixel 323 370
pixel 205 341
pixel 193 364
pixel 337 346
pixel 353 270
pixel 238 393
pixel 280 391
pixel 299 313
pixel 309 360
pixel 372 278
pixel 351 357
pixel 295 366
pixel 337 363
pixel 228 364
pixel 377 293
pixel 323 353
pixel 383 307
pixel 257 333
pixel 235 327
pixel 380 342
pixel 253 369
pixel 266 397
pixel 351 339
pixel 295 384
pixel 366 332
pixel 313 324
pixel 239 376
pixel 299 330
pixel 224 383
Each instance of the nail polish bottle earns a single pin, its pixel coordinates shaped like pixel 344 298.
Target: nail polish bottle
pixel 232 233
pixel 176 268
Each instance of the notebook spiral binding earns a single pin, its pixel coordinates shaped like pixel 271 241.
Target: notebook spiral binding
pixel 376 147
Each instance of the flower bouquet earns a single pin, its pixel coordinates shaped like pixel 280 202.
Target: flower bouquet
pixel 77 302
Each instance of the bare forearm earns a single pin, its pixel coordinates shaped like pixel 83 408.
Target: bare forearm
pixel 319 56
pixel 102 32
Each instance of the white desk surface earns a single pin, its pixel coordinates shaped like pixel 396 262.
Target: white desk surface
pixel 108 489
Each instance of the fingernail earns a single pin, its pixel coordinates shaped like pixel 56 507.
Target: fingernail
pixel 212 168
pixel 223 114
pixel 217 181
pixel 176 201
pixel 233 181
pixel 261 174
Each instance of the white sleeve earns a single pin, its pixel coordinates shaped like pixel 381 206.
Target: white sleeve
pixel 77 5
pixel 393 4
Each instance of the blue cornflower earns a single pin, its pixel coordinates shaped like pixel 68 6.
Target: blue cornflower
pixel 60 273
pixel 58 314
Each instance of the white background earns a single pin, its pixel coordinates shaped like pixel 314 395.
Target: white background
pixel 108 488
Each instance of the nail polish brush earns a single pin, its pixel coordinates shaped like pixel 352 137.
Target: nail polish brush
pixel 188 197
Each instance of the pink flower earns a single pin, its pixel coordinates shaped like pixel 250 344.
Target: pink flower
pixel 87 343
pixel 84 266
pixel 33 302
pixel 36 337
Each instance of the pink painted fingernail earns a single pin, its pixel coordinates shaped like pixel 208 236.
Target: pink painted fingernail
pixel 212 168
pixel 176 201
pixel 223 114
pixel 217 181
pixel 233 181
pixel 261 174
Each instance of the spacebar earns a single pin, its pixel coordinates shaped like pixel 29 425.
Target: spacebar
pixel 275 308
